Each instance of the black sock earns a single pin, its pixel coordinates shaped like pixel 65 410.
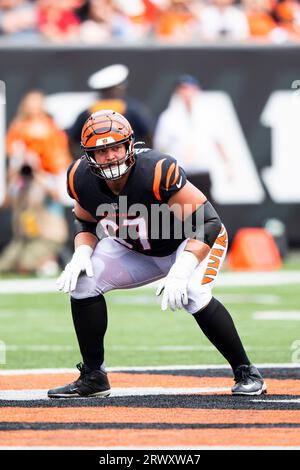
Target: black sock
pixel 217 325
pixel 90 322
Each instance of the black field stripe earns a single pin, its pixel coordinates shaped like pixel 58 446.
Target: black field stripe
pixel 293 373
pixel 225 402
pixel 20 426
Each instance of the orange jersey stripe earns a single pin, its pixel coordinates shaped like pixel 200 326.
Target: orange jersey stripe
pixel 210 272
pixel 222 239
pixel 71 180
pixel 176 175
pixel 169 175
pixel 217 252
pixel 157 178
pixel 214 262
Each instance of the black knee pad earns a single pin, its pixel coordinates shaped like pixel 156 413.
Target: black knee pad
pixel 88 300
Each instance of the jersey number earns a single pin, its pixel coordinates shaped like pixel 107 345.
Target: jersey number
pixel 136 229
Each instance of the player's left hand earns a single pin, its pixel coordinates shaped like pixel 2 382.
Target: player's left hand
pixel 174 292
pixel 174 286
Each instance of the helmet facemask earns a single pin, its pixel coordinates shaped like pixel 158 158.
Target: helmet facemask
pixel 114 170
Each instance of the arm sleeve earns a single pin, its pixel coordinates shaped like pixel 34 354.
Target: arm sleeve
pixel 168 178
pixel 81 225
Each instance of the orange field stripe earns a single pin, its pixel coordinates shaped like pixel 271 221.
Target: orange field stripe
pixel 275 386
pixel 283 387
pixel 126 380
pixel 112 414
pixel 172 381
pixel 117 379
pixel 34 381
pixel 152 437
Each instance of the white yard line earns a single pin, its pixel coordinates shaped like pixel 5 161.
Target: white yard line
pixel 151 300
pixel 286 400
pixel 41 394
pixel 228 279
pixel 259 278
pixel 120 347
pixel 291 315
pixel 39 347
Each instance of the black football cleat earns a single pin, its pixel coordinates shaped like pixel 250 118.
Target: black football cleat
pixel 248 381
pixel 89 384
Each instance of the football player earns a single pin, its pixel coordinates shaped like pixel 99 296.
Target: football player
pixel 117 248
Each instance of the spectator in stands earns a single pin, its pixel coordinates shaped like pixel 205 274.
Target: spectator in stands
pixel 181 21
pixel 111 84
pixel 223 20
pixel 177 21
pixel 38 224
pixel 34 132
pixel 287 13
pixel 142 13
pixel 105 20
pixel 58 21
pixel 186 130
pixel 262 24
pixel 18 20
pixel 38 154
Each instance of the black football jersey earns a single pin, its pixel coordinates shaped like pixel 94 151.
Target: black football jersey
pixel 138 217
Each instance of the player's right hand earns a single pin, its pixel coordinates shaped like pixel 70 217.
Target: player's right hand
pixel 81 261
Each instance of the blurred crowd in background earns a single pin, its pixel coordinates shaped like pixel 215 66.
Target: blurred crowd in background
pixel 96 22
pixel 38 156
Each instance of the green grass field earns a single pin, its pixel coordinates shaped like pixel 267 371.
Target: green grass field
pixel 38 333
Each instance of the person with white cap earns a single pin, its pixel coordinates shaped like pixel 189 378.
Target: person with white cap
pixel 189 110
pixel 111 84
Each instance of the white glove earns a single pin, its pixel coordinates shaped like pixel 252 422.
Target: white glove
pixel 174 286
pixel 81 261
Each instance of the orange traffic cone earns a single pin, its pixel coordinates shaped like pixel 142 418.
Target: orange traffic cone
pixel 254 249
